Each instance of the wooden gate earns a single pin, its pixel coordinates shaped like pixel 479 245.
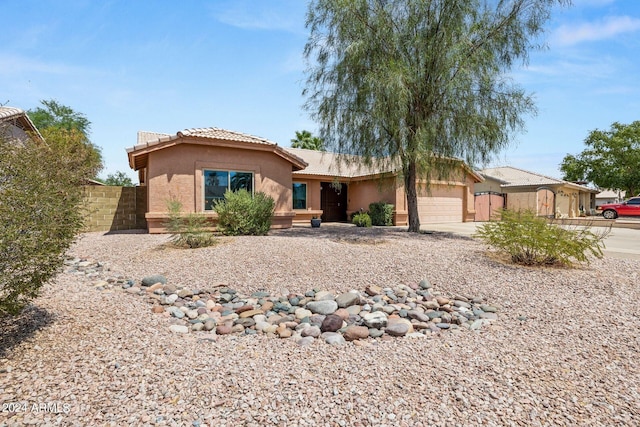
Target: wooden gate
pixel 546 202
pixel 488 206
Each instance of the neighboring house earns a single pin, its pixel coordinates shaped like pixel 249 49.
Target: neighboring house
pixel 16 125
pixel 521 190
pixel 196 167
pixel 609 196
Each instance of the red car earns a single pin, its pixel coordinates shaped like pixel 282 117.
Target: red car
pixel 629 207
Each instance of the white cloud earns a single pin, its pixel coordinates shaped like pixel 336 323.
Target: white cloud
pixel 568 35
pixel 253 15
pixel 15 65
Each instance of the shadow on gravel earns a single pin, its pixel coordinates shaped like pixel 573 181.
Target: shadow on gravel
pixel 16 329
pixel 348 232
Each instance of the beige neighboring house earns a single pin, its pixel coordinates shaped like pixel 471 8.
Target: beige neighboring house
pixel 547 196
pixel 16 125
pixel 609 196
pixel 196 167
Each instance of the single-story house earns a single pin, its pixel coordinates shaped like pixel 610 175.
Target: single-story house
pixel 334 189
pixel 16 125
pixel 196 167
pixel 610 196
pixel 520 190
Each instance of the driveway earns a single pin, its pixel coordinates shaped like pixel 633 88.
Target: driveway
pixel 620 243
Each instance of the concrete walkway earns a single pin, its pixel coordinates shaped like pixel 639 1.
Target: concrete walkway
pixel 620 243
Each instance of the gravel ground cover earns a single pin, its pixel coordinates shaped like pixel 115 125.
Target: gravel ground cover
pixel 81 356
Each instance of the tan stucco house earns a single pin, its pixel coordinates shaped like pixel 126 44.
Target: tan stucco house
pixel 522 190
pixel 196 167
pixel 337 187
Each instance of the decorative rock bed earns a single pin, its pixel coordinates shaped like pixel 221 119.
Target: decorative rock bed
pixel 413 311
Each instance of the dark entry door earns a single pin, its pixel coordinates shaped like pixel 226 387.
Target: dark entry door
pixel 333 202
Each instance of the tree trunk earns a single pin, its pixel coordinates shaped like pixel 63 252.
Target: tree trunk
pixel 412 197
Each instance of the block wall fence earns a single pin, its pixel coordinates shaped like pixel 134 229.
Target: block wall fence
pixel 110 208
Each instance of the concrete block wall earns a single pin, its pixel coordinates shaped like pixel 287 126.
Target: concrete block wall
pixel 110 208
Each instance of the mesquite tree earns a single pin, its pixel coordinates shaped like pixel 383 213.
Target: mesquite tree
pixel 410 82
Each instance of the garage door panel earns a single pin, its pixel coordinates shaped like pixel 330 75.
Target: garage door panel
pixel 442 206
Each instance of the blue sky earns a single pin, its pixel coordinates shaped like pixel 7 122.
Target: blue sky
pixel 165 66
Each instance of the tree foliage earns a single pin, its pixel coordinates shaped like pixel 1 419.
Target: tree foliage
pixel 40 207
pixel 53 116
pixel 611 159
pixel 408 82
pixel 119 179
pixel 304 139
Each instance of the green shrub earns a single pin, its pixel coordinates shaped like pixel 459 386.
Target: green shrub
pixel 187 231
pixel 530 240
pixel 381 213
pixel 362 219
pixel 40 211
pixel 242 214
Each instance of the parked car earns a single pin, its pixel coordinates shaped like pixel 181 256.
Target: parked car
pixel 629 207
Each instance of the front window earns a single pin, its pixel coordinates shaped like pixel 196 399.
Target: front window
pixel 216 183
pixel 299 195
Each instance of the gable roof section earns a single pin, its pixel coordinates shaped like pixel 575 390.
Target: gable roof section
pixel 18 118
pixel 152 141
pixel 509 176
pixel 323 163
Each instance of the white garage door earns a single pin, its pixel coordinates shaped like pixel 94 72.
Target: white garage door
pixel 444 204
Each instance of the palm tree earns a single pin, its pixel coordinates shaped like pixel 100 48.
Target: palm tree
pixel 305 140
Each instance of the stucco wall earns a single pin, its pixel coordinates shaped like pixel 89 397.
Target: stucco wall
pixel 362 193
pixel 110 208
pixel 522 201
pixel 177 173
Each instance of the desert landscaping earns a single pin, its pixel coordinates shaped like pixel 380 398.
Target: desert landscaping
pixel 563 350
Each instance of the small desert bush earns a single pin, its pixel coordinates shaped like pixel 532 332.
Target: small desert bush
pixel 381 213
pixel 187 231
pixel 531 240
pixel 240 213
pixel 362 219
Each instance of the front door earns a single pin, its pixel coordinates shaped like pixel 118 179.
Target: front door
pixel 333 202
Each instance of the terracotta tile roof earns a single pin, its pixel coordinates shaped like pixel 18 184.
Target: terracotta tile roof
pixel 19 119
pixel 217 133
pixel 151 141
pixel 509 176
pixel 9 112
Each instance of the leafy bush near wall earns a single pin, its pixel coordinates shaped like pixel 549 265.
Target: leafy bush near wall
pixel 362 219
pixel 187 231
pixel 381 213
pixel 240 213
pixel 40 211
pixel 531 240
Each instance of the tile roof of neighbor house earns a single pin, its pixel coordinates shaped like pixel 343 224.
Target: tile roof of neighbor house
pixel 151 141
pixel 19 119
pixel 611 194
pixel 509 176
pixel 324 163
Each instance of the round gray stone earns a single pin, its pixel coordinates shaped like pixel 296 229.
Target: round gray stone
pixel 322 307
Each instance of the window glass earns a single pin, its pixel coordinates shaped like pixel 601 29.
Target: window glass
pixel 635 201
pixel 240 180
pixel 299 195
pixel 216 183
